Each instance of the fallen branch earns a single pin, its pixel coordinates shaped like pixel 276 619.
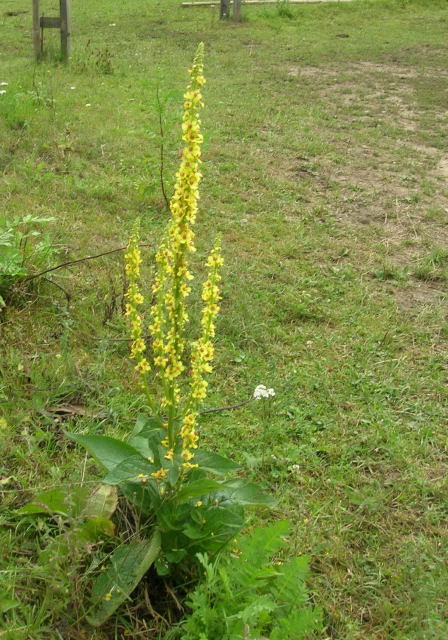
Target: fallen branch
pixel 227 408
pixel 71 262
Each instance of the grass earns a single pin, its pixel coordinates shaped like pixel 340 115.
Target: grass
pixel 324 173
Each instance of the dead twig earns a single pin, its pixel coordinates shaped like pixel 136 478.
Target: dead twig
pixel 162 151
pixel 67 295
pixel 170 591
pixel 227 408
pixel 71 262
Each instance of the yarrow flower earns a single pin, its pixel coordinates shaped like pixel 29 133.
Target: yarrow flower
pixel 263 392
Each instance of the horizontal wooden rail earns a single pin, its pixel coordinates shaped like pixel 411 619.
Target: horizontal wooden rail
pixel 50 23
pixel 216 4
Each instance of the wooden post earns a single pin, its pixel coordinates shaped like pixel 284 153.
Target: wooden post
pixel 65 28
pixel 37 40
pixel 237 10
pixel 224 9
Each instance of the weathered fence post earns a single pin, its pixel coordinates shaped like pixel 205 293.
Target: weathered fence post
pixel 37 41
pixel 65 28
pixel 224 9
pixel 237 10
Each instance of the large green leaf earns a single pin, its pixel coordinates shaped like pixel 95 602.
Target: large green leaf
pixel 77 539
pixel 130 469
pixel 215 524
pixel 68 502
pixel 145 424
pixel 142 445
pixel 107 451
pixel 146 438
pixel 128 565
pixel 198 488
pixel 248 494
pixel 214 463
pixel 6 604
pixel 101 503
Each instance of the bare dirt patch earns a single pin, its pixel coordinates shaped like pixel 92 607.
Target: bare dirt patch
pixel 442 167
pixel 391 180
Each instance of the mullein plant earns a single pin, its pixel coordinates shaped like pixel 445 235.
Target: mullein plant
pixel 187 500
pixel 169 314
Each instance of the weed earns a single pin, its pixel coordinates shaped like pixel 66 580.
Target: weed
pixel 433 267
pixel 17 109
pixel 22 247
pixel 283 10
pixel 94 59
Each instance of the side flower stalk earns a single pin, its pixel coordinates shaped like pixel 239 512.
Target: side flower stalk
pixel 134 300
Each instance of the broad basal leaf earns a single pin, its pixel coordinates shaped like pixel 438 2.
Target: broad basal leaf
pixel 127 566
pixel 107 451
pixel 101 503
pixel 214 463
pixel 132 469
pixel 248 494
pixel 68 502
pixel 198 488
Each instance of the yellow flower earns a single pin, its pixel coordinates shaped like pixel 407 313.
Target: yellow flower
pixel 160 474
pixel 134 300
pixel 187 466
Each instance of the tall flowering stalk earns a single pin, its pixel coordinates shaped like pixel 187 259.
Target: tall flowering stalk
pixel 169 315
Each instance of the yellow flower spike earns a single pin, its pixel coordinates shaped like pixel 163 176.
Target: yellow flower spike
pixel 170 290
pixel 134 299
pixel 202 350
pixel 169 314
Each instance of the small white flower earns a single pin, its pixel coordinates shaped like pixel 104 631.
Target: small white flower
pixel 262 392
pixel 112 24
pixel 3 84
pixel 72 88
pixel 2 91
pixel 88 104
